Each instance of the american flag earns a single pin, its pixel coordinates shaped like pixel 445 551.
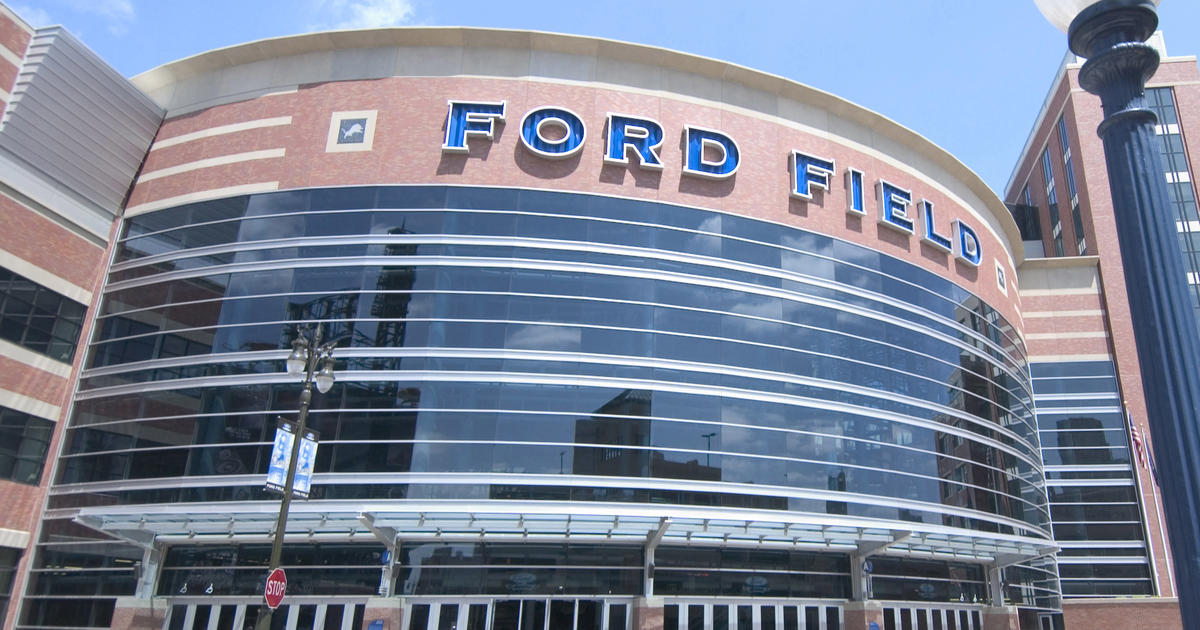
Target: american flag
pixel 1144 456
pixel 1139 446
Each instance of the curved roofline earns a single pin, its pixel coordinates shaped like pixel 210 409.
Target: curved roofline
pixel 469 37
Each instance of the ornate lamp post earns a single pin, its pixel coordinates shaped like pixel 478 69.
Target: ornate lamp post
pixel 1111 34
pixel 313 360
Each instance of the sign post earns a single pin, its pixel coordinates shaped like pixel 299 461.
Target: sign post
pixel 275 588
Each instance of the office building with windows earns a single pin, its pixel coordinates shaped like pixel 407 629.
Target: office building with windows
pixel 1104 500
pixel 64 171
pixel 625 338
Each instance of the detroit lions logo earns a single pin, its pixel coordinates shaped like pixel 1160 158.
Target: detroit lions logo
pixel 352 131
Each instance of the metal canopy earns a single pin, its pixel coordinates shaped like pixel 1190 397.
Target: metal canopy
pixel 555 522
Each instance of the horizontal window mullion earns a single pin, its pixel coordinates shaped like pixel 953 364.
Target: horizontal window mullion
pixel 602 269
pixel 367 351
pixel 301 241
pixel 733 455
pixel 364 376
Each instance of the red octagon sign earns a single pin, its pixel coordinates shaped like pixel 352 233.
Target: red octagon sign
pixel 275 588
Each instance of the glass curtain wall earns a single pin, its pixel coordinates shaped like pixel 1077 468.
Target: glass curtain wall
pixel 536 346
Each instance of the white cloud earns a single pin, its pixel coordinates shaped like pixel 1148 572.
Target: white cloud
pixel 367 13
pixel 119 13
pixel 534 337
pixel 35 17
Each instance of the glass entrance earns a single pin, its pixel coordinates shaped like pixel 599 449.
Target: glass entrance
pixel 460 615
pixel 752 616
pixel 517 614
pixel 241 616
pixel 931 618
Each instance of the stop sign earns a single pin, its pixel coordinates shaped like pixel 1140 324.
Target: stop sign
pixel 275 588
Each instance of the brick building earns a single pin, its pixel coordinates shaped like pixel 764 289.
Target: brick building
pixel 1115 560
pixel 58 203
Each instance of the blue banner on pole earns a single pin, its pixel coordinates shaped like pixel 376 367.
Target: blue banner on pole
pixel 305 459
pixel 281 455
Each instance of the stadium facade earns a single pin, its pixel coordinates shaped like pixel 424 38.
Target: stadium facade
pixel 626 338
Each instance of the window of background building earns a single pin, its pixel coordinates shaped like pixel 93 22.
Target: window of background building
pixel 1180 193
pixel 1052 202
pixel 1030 227
pixel 1064 141
pixel 8 568
pixel 24 440
pixel 1029 222
pixel 1093 496
pixel 37 318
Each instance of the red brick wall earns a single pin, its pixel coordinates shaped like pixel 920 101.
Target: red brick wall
pixel 1084 114
pixel 46 244
pixel 22 505
pixel 32 382
pixel 1122 614
pixel 1029 170
pixel 409 134
pixel 1039 346
pixel 1096 200
pixel 133 614
pixel 15 37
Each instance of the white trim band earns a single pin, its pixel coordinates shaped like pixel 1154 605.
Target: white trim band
pixel 47 279
pixel 34 360
pixel 31 406
pixel 203 195
pixel 221 130
pixel 222 160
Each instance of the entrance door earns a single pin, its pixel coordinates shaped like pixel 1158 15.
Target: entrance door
pixel 751 616
pixel 458 615
pixel 517 614
pixel 294 616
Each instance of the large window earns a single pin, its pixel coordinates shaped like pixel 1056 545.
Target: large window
pixel 37 318
pixel 24 440
pixel 678 344
pixel 1052 202
pixel 1092 482
pixel 1180 193
pixel 313 569
pixel 1064 141
pixel 9 558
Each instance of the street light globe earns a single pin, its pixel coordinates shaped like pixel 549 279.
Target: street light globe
pixel 1061 12
pixel 324 378
pixel 297 359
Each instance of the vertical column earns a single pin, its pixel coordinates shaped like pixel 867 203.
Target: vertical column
pixel 654 537
pixel 147 573
pixel 383 613
pixel 387 572
pixel 137 613
pixel 648 613
pixel 1001 618
pixel 143 611
pixel 1111 35
pixel 995 584
pixel 860 585
pixel 861 615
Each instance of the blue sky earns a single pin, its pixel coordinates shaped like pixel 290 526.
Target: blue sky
pixel 968 74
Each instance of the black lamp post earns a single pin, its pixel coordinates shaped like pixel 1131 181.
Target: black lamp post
pixel 1111 34
pixel 708 440
pixel 314 360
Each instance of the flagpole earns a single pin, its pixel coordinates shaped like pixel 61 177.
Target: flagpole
pixel 1140 456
